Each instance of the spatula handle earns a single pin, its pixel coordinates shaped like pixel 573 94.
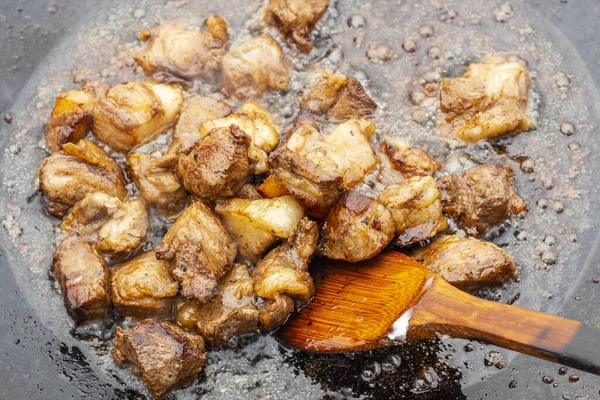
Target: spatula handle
pixel 448 311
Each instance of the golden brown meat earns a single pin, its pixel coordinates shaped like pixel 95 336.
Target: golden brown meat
pixel 416 208
pixel 257 224
pixel 481 197
pixel 199 250
pixel 296 19
pixel 283 272
pixel 174 49
pixel 165 355
pixel 357 228
pixel 125 230
pixel 466 262
pixel 196 110
pixel 143 287
pixel 218 166
pixel 136 113
pixel 254 67
pixel 90 214
pixel 233 312
pixel 410 161
pixel 157 180
pixel 489 100
pixel 339 96
pixel 83 277
pixel 256 122
pixel 67 176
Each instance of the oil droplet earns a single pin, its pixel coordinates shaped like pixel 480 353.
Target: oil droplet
pixel 425 31
pixel 371 371
pixel 547 379
pixel 567 128
pixel 573 378
pixel 512 384
pixel 504 12
pixel 409 45
pixel 549 257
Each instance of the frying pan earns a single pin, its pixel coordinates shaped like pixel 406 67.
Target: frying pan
pixel 41 357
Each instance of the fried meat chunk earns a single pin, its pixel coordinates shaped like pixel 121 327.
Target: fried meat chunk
pixel 165 355
pixel 83 277
pixel 467 263
pixel 143 287
pixel 258 224
pixel 254 67
pixel 125 230
pixel 136 113
pixel 416 208
pixel 196 110
pixel 199 250
pixel 256 122
pixel 90 214
pixel 410 161
pixel 67 176
pixel 218 166
pixel 357 228
pixel 156 178
pixel 489 100
pixel 481 197
pixel 340 97
pixel 175 49
pixel 296 19
pixel 283 272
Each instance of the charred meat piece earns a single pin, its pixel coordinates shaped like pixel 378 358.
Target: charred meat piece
pixel 256 122
pixel 339 96
pixel 165 355
pixel 125 230
pixel 218 166
pixel 296 19
pixel 196 110
pixel 199 250
pixel 90 214
pixel 283 272
pixel 357 228
pixel 257 224
pixel 233 312
pixel 466 262
pixel 489 100
pixel 67 176
pixel 83 277
pixel 136 113
pixel 143 287
pixel 174 49
pixel 410 161
pixel 255 67
pixel 157 180
pixel 416 208
pixel 481 197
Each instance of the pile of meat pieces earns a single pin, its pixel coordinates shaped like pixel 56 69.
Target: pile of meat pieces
pixel 235 260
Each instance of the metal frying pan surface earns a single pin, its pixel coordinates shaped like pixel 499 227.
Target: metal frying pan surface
pixel 50 46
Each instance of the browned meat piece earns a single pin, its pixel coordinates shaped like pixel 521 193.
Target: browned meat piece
pixel 163 354
pixel 136 113
pixel 258 224
pixel 296 19
pixel 196 110
pixel 218 166
pixel 67 176
pixel 255 67
pixel 83 278
pixel 125 230
pixel 248 192
pixel 466 262
pixel 481 197
pixel 256 122
pixel 174 49
pixel 489 100
pixel 316 188
pixel 199 250
pixel 284 273
pixel 271 188
pixel 157 180
pixel 416 208
pixel 143 287
pixel 357 228
pixel 339 96
pixel 90 214
pixel 233 312
pixel 411 161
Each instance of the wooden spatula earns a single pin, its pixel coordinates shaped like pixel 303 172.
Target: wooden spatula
pixel 392 298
